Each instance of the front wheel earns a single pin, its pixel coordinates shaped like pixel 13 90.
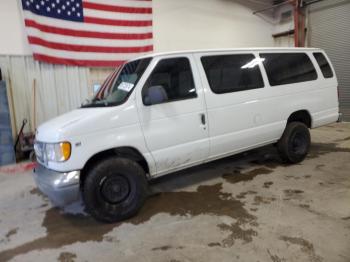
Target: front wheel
pixel 114 189
pixel 294 143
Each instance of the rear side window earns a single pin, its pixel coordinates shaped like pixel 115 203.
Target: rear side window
pixel 324 65
pixel 288 68
pixel 232 73
pixel 170 80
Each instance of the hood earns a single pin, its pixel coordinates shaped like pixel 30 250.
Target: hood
pixel 70 124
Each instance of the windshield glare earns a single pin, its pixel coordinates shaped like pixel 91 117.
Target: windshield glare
pixel 119 85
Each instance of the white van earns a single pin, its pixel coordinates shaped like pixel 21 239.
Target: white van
pixel 165 112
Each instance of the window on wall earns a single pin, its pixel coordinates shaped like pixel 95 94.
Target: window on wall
pixel 288 68
pixel 170 80
pixel 324 65
pixel 232 73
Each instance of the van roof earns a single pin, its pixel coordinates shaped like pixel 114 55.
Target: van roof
pixel 289 49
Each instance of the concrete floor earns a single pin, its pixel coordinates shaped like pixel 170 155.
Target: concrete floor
pixel 243 208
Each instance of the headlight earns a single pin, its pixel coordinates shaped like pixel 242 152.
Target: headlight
pixel 58 152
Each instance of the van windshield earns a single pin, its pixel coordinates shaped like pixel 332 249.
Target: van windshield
pixel 119 85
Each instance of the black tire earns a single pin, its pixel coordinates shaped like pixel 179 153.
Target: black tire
pixel 295 142
pixel 114 189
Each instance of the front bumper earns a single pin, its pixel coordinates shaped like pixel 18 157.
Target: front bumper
pixel 61 188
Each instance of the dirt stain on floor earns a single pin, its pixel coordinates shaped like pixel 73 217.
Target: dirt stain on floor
pixel 305 246
pixel 65 229
pixel 306 206
pixel 319 167
pixel 319 149
pixel 214 244
pixel 11 233
pixel 67 257
pixel 236 232
pixel 237 176
pixel 292 192
pixel 275 258
pixel 271 162
pixel 292 177
pixel 268 184
pixel 343 139
pixel 8 235
pixel 62 229
pixel 166 247
pixel 271 159
pixel 244 194
pixel 258 200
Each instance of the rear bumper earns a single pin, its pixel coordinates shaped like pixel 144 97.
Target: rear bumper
pixel 61 188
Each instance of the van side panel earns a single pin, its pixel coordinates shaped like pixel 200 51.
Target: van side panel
pixel 242 119
pixel 326 109
pixel 252 118
pixel 318 97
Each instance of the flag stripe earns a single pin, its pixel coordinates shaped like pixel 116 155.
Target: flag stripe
pixel 126 3
pixel 72 40
pixel 89 34
pixel 111 81
pixel 84 55
pixel 107 83
pixel 102 21
pixel 76 62
pixel 119 16
pixel 119 9
pixel 85 48
pixel 87 27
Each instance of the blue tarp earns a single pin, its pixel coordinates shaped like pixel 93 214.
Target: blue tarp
pixel 7 154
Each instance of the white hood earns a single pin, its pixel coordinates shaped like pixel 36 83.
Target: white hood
pixel 76 122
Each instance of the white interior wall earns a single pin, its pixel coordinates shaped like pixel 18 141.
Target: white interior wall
pixel 13 40
pixel 178 25
pixel 193 24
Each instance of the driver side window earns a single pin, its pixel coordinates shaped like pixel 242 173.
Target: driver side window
pixel 171 80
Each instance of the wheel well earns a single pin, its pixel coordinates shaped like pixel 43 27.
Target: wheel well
pixel 127 152
pixel 302 116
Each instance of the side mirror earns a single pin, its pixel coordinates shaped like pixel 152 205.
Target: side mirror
pixel 155 95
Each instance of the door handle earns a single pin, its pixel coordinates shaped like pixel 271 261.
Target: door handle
pixel 202 118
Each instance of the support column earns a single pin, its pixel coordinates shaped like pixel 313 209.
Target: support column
pixel 299 23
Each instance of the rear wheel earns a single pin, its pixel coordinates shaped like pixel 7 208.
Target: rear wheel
pixel 294 143
pixel 114 189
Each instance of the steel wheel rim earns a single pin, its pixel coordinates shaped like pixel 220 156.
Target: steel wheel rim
pixel 115 189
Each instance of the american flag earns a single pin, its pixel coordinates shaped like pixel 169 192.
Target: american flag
pixel 88 32
pixel 107 84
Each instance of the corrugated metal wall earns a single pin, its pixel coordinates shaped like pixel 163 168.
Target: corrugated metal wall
pixel 58 88
pixel 329 23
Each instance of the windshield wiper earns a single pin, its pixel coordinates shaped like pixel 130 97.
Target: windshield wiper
pixel 96 102
pixel 94 105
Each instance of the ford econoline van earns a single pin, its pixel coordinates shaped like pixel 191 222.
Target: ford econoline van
pixel 165 112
